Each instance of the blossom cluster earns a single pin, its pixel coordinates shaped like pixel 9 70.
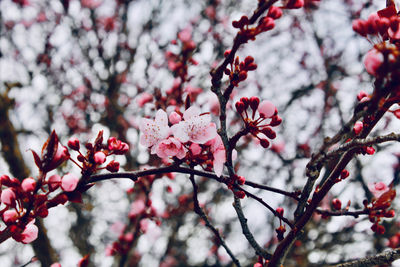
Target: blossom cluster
pixel 23 201
pixel 191 135
pixel 383 26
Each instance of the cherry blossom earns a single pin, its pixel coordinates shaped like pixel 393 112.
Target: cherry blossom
pixel 154 131
pixel 219 154
pixel 266 109
pixel 171 147
pixel 195 127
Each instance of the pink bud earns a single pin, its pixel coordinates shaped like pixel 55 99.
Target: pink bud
pixel 195 149
pixel 274 12
pixel 370 150
pixel 358 126
pixel 28 184
pixel 174 118
pixel 280 211
pixel 257 265
pixel 30 233
pixel 361 95
pixel 293 4
pixel 54 182
pixel 373 60
pixel 69 182
pixel 56 264
pixel 73 143
pixel 266 109
pixel 8 197
pixel 10 216
pixel 99 157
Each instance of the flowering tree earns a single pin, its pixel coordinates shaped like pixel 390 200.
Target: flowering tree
pixel 199 134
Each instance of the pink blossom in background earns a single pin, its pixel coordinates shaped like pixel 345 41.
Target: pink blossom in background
pixel 144 98
pixel 171 147
pixel 377 189
pixel 69 182
pixel 154 131
pixel 56 264
pixel 194 128
pixel 266 109
pixel 373 60
pixel 137 207
pixel 90 3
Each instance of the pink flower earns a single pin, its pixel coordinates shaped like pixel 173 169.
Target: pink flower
pixel 373 60
pixel 99 157
pixel 154 131
pixel 90 3
pixel 54 182
pixel 10 216
pixel 170 147
pixel 219 155
pixel 137 207
pixel 174 118
pixel 144 98
pixel 377 189
pixel 69 182
pixel 56 264
pixel 8 197
pixel 30 233
pixel 266 109
pixel 28 184
pixel 195 128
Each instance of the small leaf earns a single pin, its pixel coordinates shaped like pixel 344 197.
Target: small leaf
pixel 50 148
pixel 36 157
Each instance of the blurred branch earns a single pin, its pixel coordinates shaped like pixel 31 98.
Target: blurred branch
pixel 204 217
pixel 383 258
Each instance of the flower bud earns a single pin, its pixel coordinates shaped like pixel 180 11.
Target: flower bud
pixel 10 216
pixel 266 109
pixel 254 102
pixel 337 204
pixel 28 184
pixel 174 117
pixel 69 182
pixel 113 166
pixel 73 143
pixel 358 126
pixel 99 157
pixel 280 211
pixel 8 197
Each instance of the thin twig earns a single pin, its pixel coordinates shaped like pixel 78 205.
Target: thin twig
pixel 204 217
